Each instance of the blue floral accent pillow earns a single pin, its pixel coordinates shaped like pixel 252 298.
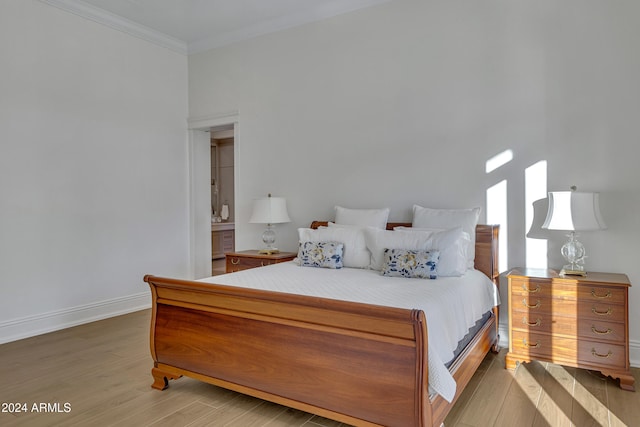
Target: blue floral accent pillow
pixel 410 263
pixel 321 254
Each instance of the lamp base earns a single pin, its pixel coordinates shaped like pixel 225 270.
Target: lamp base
pixel 269 251
pixel 573 270
pixel 269 238
pixel 573 251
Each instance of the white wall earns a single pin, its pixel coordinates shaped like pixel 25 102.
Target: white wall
pixel 404 102
pixel 93 169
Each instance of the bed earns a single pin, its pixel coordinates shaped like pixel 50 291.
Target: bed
pixel 358 363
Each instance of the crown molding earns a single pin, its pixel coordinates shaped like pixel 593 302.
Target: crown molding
pixel 119 23
pixel 323 11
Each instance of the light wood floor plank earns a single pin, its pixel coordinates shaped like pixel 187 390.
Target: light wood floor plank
pixel 453 418
pixel 484 408
pixel 185 416
pixel 289 417
pixel 554 406
pixel 589 400
pixel 624 406
pixel 519 407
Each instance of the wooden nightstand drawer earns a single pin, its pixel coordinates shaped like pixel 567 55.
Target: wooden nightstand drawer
pixel 568 327
pixel 530 287
pixel 543 346
pixel 544 289
pixel 575 309
pixel 237 263
pixel 598 311
pixel 568 350
pixel 543 323
pixel 602 354
pixel 602 331
pixel 244 260
pixel 602 295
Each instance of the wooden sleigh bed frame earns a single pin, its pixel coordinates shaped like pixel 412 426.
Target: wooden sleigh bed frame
pixel 356 363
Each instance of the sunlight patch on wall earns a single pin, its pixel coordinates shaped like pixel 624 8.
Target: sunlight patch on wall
pixel 498 160
pixel 535 182
pixel 497 214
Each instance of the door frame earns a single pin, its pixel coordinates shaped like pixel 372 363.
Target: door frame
pixel 199 194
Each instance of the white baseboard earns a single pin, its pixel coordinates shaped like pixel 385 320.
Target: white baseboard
pixel 634 346
pixel 634 353
pixel 503 342
pixel 38 324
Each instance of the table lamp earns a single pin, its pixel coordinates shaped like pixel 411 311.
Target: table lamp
pixel 573 211
pixel 269 210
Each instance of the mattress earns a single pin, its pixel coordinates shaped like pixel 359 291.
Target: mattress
pixel 452 305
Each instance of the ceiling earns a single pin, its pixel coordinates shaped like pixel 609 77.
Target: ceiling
pixel 197 25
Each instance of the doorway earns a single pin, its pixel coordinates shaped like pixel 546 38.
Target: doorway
pixel 222 196
pixel 200 183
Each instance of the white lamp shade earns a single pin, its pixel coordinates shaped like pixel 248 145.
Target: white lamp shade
pixel 270 210
pixel 574 211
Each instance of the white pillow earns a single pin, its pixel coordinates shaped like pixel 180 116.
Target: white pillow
pixel 379 240
pixel 453 245
pixel 447 219
pixel 356 254
pixel 362 217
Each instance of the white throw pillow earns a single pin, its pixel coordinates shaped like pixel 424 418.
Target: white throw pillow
pixel 379 240
pixel 447 219
pixel 453 245
pixel 356 254
pixel 362 217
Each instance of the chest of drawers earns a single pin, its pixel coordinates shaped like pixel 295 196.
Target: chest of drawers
pixel 572 321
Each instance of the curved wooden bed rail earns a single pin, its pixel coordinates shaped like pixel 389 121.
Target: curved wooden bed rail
pixel 356 363
pixel 347 361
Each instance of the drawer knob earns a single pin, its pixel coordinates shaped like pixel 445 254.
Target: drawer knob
pixel 602 356
pixel 538 322
pixel 235 261
pixel 607 295
pixel 536 305
pixel 536 345
pixel 596 331
pixel 531 291
pixel 601 313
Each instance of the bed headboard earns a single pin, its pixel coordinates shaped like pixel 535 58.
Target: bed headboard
pixel 486 246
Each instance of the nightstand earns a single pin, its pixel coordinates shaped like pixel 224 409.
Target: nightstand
pixel 244 260
pixel 570 320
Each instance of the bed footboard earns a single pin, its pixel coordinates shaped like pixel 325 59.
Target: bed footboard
pixel 356 363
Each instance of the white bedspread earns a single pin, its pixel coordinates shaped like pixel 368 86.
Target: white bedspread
pixel 451 304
